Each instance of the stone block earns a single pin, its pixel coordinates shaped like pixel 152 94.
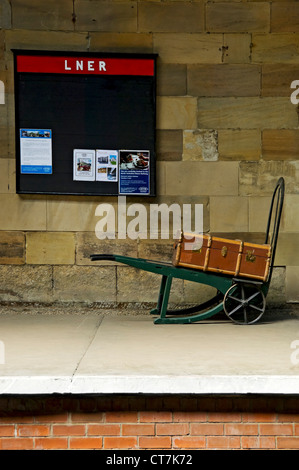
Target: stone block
pixel 200 145
pixel 224 80
pixel 177 17
pixel 176 112
pixel 4 149
pixel 259 207
pixel 235 144
pixel 84 284
pixel 87 243
pixel 184 48
pixel 3 116
pixel 7 131
pixel 260 178
pixel 246 113
pixel 202 178
pixel 250 237
pixel 7 76
pixel 156 250
pixel 5 14
pixel 25 283
pixel 134 285
pixel 236 17
pixel 120 42
pixel 280 144
pixel 106 16
pixel 292 280
pixel 277 290
pixel 228 214
pixel 12 248
pixel 169 144
pixel 277 79
pixel 290 213
pixel 4 170
pixel 11 182
pixel 236 48
pixel 171 79
pixel 161 178
pixel 3 84
pixel 22 213
pixel 73 213
pixel 275 48
pixel 47 40
pixel 284 17
pixel 287 250
pixel 36 15
pixel 50 248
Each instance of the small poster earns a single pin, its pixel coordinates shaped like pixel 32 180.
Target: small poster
pixel 134 172
pixel 84 165
pixel 107 165
pixel 36 151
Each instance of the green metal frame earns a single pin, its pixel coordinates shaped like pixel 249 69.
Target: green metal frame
pixel 219 281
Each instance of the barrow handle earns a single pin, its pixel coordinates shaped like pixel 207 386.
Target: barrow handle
pixel 102 257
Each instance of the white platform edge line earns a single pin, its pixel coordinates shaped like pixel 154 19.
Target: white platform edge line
pixel 106 384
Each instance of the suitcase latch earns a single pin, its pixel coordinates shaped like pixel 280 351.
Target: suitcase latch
pixel 224 251
pixel 250 257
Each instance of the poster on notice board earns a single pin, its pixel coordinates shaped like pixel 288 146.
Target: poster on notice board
pixel 36 151
pixel 106 165
pixel 134 172
pixel 84 165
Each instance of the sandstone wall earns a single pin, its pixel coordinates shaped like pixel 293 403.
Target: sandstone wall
pixel 226 130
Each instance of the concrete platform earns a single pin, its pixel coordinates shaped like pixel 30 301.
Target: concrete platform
pixel 99 353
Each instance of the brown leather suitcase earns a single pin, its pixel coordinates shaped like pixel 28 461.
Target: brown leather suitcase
pixel 224 256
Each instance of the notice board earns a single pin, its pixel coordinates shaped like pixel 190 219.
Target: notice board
pixel 85 123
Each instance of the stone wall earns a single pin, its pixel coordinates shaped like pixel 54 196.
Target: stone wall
pixel 226 130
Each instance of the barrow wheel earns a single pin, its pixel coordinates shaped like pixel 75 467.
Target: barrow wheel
pixel 244 303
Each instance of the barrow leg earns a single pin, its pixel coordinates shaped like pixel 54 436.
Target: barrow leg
pixel 157 310
pixel 164 295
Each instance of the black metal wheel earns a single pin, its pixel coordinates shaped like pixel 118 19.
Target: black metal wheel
pixel 244 303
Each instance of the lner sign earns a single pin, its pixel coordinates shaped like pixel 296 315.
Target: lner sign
pixel 84 65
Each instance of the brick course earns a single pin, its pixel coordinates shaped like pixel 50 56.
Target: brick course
pixel 160 422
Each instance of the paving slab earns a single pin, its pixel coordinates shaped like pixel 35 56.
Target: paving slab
pixel 94 353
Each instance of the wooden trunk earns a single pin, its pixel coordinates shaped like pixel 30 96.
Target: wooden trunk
pixel 220 255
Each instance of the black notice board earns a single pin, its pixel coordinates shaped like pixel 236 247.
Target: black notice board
pixel 84 101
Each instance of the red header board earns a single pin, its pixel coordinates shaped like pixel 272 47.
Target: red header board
pixel 84 65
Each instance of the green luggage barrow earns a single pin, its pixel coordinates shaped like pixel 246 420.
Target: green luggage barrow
pixel 243 300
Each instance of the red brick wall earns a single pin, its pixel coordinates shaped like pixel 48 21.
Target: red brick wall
pixel 154 422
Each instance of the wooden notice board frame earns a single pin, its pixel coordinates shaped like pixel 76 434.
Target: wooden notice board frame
pixel 85 123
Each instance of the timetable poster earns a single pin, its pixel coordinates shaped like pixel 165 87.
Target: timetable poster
pixel 134 172
pixel 36 151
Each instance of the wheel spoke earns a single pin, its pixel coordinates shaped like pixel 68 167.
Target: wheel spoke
pixel 235 298
pixel 257 308
pixel 234 311
pixel 253 296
